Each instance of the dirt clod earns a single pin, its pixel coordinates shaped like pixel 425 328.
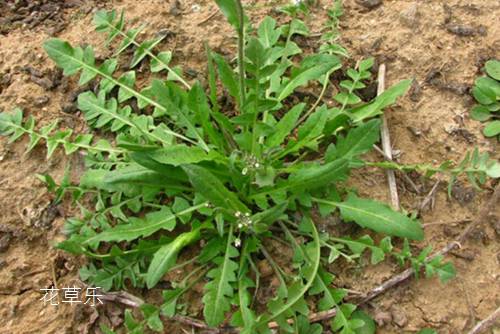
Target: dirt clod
pixel 382 318
pixel 399 317
pixel 465 30
pixel 369 4
pixel 4 242
pixel 41 101
pixel 410 16
pixel 415 91
pixel 463 194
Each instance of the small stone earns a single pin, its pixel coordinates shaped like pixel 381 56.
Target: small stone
pixel 69 108
pixel 409 17
pixel 463 195
pixel 382 318
pixel 399 317
pixel 369 4
pixel 45 83
pixel 41 101
pixel 462 30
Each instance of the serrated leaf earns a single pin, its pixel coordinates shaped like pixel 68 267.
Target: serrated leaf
pixel 127 79
pixel 219 290
pixel 64 55
pixel 267 32
pixel 297 290
pixel 137 228
pixel 143 50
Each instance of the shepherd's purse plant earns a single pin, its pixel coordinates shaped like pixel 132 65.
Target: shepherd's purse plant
pixel 177 174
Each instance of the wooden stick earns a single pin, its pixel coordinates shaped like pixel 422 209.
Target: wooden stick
pixel 386 143
pixel 486 323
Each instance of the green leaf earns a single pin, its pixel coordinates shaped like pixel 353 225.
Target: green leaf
pixel 427 331
pixel 166 257
pixel 285 125
pixel 170 297
pixel 446 272
pixel 368 326
pixel 153 222
pixel 130 322
pixel 262 220
pixel 161 61
pixel 143 50
pixel 219 290
pixel 230 10
pixel 347 98
pixel 64 55
pixel 127 79
pixel 180 154
pixel 313 73
pixel 135 174
pixel 317 176
pixel 486 90
pixel 198 103
pixel 492 129
pixel 267 32
pixel 385 99
pixel 228 77
pixel 298 291
pixel 213 189
pixel 493 69
pixel 378 217
pixel 359 140
pixel 480 113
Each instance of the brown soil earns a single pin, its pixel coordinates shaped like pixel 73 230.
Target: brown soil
pixel 441 44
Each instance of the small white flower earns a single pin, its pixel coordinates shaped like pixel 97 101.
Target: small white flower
pixel 237 242
pixel 244 171
pixel 257 165
pixel 247 214
pixel 240 225
pixel 237 214
pixel 249 222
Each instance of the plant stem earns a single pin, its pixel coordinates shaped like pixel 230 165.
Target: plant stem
pixel 241 51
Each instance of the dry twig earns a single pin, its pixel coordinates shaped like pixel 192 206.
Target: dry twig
pixel 485 324
pixel 386 143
